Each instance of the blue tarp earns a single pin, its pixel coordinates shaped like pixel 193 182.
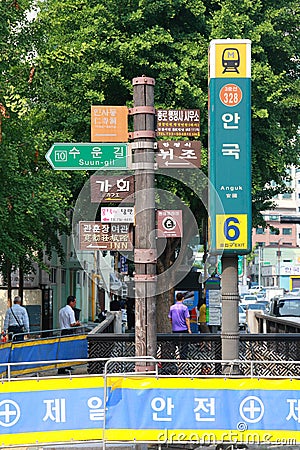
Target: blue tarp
pixel 50 349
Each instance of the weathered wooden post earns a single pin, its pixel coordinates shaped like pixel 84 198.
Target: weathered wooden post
pixel 143 137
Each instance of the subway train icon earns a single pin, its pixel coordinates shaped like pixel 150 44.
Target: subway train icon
pixel 230 60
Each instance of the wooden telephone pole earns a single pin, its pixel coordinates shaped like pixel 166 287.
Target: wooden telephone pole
pixel 145 253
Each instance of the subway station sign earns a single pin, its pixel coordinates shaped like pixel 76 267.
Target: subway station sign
pixel 230 146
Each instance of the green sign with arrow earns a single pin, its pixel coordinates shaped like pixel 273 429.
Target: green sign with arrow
pixel 81 156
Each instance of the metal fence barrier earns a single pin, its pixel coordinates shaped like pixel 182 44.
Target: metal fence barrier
pixel 196 348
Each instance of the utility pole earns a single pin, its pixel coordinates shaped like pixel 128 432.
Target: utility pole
pixel 143 137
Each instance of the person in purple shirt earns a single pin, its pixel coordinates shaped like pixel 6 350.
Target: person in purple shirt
pixel 180 320
pixel 179 316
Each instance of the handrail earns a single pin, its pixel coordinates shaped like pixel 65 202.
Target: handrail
pixel 157 362
pixel 45 334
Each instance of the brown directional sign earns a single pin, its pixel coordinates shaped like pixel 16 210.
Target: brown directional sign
pixel 178 154
pixel 105 236
pixel 109 123
pixel 112 189
pixel 178 122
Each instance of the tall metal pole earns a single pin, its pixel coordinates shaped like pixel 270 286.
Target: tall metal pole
pixel 259 266
pixel 145 239
pixel 230 317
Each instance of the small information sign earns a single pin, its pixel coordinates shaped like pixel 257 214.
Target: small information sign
pixel 117 214
pixel 178 154
pixel 105 236
pixel 169 223
pixel 178 122
pixel 110 189
pixel 213 305
pixel 109 124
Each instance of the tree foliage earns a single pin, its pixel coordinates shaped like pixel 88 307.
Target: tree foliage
pixel 33 199
pixel 89 51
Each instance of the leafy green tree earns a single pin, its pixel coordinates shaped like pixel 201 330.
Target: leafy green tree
pixel 33 199
pixel 89 51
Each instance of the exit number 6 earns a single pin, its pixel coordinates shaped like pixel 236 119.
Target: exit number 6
pixel 231 231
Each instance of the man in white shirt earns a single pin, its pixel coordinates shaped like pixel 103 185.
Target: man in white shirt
pixel 67 321
pixel 67 318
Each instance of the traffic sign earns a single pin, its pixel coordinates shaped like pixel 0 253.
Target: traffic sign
pixel 105 236
pixel 86 156
pixel 178 154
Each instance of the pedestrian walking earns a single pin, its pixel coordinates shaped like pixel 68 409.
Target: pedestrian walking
pixel 203 327
pixel 16 320
pixel 180 320
pixel 179 316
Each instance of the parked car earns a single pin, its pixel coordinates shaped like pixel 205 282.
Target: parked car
pixel 265 302
pixel 256 306
pixel 242 317
pixel 294 291
pixel 249 298
pixel 284 306
pixel 254 289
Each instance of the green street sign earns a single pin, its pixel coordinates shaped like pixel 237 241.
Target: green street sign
pixel 95 156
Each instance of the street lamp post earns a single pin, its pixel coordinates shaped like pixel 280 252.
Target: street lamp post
pixel 278 253
pixel 259 265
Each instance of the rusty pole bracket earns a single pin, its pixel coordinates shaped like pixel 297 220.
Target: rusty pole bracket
pixel 141 145
pixel 142 134
pixel 142 110
pixel 143 80
pixel 145 255
pixel 145 277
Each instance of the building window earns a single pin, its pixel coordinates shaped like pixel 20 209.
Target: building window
pixel 260 230
pixel 286 231
pixel 286 195
pixel 63 276
pixel 274 231
pixel 274 218
pixel 53 276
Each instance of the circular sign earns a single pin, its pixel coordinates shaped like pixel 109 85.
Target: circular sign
pixel 169 223
pixel 231 95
